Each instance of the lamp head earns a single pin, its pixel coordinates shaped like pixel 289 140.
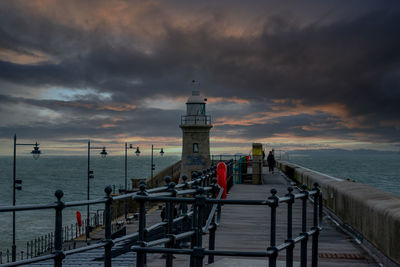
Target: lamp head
pixel 130 146
pixel 137 152
pixel 103 153
pixel 36 152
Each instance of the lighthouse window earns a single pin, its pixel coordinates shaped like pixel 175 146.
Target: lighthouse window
pixel 201 110
pixel 195 148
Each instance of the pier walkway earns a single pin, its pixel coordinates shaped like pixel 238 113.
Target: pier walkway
pixel 246 228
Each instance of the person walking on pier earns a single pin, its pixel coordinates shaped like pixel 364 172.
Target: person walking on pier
pixel 271 162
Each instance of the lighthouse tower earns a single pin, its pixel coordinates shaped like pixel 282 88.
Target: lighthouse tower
pixel 195 127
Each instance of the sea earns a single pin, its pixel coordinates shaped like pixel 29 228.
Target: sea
pixel 42 177
pixel 374 168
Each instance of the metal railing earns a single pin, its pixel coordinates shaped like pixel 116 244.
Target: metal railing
pixel 201 223
pixel 44 244
pixel 107 243
pixel 195 120
pixel 202 217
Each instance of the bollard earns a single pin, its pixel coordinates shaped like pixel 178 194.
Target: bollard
pixel 59 254
pixel 303 245
pixel 272 247
pixel 109 245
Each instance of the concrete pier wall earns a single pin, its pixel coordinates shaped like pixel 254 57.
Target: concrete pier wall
pixel 173 170
pixel 371 212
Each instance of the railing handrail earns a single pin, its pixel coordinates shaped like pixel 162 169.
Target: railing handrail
pixel 198 252
pixel 58 254
pixel 170 194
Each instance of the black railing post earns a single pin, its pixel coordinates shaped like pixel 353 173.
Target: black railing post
pixel 213 229
pixel 169 211
pixel 303 246
pixel 108 240
pixel 193 240
pixel 193 237
pixel 314 257
pixel 141 256
pixel 200 203
pixel 184 210
pixel 211 240
pixel 289 250
pixel 272 247
pixel 59 254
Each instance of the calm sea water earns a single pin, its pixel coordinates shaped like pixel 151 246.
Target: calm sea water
pixel 381 171
pixel 41 178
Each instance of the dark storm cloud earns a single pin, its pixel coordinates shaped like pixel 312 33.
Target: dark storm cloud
pixel 317 59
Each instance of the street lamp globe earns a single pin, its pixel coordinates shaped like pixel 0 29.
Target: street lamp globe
pixel 103 153
pixel 36 152
pixel 137 152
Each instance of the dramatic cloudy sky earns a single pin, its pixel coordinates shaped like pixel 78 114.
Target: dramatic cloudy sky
pixel 290 74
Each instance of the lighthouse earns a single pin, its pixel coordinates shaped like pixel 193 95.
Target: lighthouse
pixel 196 126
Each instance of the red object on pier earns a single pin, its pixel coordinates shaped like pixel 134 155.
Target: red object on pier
pixel 79 218
pixel 221 175
pixel 248 161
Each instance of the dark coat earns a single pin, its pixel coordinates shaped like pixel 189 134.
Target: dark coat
pixel 271 160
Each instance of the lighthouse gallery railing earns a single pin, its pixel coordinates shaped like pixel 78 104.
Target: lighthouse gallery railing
pixel 206 197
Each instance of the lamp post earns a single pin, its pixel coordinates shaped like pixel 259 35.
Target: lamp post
pixel 103 154
pixel 152 162
pixel 137 152
pixel 17 186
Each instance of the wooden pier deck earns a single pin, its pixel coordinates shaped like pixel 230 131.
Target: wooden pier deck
pixel 246 228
